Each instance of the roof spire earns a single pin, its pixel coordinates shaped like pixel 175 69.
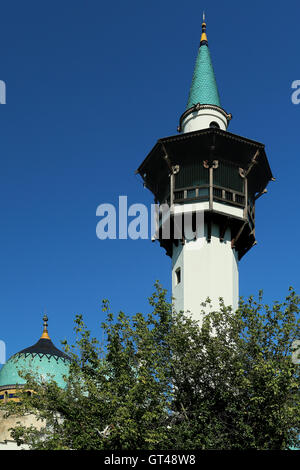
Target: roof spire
pixel 203 40
pixel 204 87
pixel 45 331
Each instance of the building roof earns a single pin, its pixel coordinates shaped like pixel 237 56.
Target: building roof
pixel 204 88
pixel 42 359
pixel 198 144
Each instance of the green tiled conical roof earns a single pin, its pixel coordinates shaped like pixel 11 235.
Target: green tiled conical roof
pixel 204 88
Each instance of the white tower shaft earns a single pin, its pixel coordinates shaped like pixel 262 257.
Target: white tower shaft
pixel 202 269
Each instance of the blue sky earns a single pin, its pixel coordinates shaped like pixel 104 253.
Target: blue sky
pixel 91 86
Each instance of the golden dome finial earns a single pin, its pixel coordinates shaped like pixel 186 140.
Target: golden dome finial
pixel 203 36
pixel 45 331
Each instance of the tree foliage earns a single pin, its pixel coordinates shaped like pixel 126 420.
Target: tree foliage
pixel 163 381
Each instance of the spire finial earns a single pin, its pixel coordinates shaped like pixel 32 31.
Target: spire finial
pixel 45 331
pixel 203 41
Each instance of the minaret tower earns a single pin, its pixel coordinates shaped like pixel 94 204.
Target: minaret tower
pixel 210 180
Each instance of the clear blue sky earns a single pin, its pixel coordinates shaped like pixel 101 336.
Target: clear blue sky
pixel 91 86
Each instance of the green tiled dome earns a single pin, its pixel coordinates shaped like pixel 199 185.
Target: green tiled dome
pixel 43 359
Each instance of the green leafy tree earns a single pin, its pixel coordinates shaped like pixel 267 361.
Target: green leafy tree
pixel 237 387
pixel 163 381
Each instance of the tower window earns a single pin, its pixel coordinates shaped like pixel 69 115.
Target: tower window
pixel 214 124
pixel 178 276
